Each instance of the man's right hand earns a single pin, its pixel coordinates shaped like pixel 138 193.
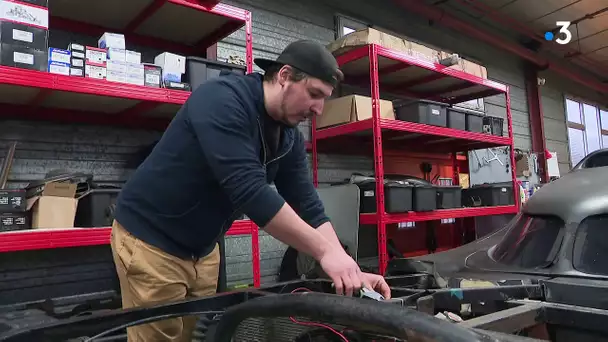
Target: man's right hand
pixel 343 271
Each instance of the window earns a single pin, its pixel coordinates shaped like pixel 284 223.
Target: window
pixel 587 129
pixel 591 246
pixel 346 25
pixel 530 242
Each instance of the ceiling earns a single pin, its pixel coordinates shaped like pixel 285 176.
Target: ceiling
pixel 528 21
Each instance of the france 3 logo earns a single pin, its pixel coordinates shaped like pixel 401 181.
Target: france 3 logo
pixel 563 36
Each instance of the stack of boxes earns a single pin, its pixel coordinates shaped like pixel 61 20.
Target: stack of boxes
pixel 111 61
pixel 24 34
pixel 13 206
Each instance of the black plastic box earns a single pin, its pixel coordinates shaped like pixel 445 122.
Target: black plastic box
pixel 474 122
pixel 24 35
pixel 397 197
pixel 14 221
pixel 493 125
pixel 12 201
pixel 23 57
pixel 457 118
pixel 96 208
pixel 424 112
pixel 487 195
pixel 199 70
pixel 425 198
pixel 449 197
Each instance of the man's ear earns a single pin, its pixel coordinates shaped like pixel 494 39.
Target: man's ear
pixel 284 74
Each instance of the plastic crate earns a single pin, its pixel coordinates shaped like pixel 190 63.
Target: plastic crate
pixel 493 125
pixel 199 70
pixel 424 112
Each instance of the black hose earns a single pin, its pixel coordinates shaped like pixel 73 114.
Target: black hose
pixel 362 314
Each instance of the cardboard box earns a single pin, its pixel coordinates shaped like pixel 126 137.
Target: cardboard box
pixel 60 55
pixel 94 70
pixel 111 40
pixel 371 36
pixel 467 66
pixel 352 108
pixel 55 207
pixel 59 68
pixel 96 55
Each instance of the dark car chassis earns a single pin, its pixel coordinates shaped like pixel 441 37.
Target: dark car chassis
pixel 555 310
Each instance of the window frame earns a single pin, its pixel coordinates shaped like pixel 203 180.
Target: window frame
pixel 602 127
pixel 342 21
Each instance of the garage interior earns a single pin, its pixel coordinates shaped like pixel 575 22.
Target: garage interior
pixel 540 107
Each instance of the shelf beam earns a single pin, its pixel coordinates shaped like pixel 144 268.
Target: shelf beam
pixel 372 218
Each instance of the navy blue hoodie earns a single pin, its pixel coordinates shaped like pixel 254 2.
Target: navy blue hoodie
pixel 210 166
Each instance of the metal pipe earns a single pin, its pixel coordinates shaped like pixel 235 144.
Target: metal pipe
pixel 495 15
pixel 441 17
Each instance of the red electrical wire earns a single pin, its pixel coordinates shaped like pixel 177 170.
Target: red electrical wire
pixel 313 324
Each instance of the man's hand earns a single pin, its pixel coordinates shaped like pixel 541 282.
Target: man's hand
pixel 343 271
pixel 377 283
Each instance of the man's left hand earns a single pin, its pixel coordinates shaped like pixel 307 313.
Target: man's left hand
pixel 378 284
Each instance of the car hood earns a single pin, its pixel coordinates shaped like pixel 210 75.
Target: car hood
pixel 467 266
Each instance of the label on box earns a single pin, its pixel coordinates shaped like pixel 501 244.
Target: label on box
pixel 96 55
pixel 23 36
pixel 435 112
pixel 77 62
pixel 77 54
pixel 116 66
pixel 153 79
pixel 59 68
pixel 133 57
pixel 95 71
pixel 58 55
pixel 116 76
pixel 135 79
pixel 23 58
pixel 24 14
pixel 77 72
pixel 368 193
pixel 76 47
pixel 136 69
pixel 118 55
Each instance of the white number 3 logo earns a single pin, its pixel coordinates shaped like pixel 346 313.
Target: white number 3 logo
pixel 566 34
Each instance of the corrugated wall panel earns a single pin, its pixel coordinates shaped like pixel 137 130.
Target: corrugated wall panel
pixel 554 119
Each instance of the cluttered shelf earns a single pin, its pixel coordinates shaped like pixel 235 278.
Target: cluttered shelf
pixel 372 218
pixel 110 77
pixel 85 99
pixel 35 239
pixel 180 26
pixel 405 75
pixel 397 133
pixel 419 101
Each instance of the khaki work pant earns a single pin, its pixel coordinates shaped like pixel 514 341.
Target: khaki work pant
pixel 150 276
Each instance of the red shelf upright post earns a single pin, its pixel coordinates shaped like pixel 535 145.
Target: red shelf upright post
pixel 255 254
pixel 315 160
pixel 512 147
pixel 248 42
pixel 378 158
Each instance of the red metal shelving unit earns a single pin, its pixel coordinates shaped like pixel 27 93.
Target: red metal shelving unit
pixel 403 75
pixel 186 27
